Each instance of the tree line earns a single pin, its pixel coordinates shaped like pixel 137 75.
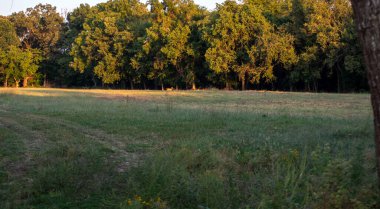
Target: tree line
pixel 297 45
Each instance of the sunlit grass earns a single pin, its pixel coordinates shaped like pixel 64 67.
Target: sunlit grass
pixel 65 148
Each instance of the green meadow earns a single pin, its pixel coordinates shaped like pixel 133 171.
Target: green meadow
pixel 185 149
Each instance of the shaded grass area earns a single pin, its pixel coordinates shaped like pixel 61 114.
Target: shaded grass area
pixel 212 149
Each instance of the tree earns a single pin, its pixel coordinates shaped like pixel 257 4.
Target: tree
pixel 29 64
pixel 8 35
pixel 329 23
pixel 104 42
pixel 284 44
pixel 63 75
pixel 8 40
pixel 19 64
pixel 100 47
pixel 221 37
pixel 244 42
pixel 138 21
pixel 39 28
pixel 167 39
pixel 367 13
pixel 4 68
pixel 326 43
pixel 172 41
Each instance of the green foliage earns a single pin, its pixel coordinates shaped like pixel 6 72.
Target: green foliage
pixel 138 203
pixel 39 28
pixel 169 41
pixel 19 64
pixel 255 44
pixel 267 176
pixel 243 41
pixel 105 39
pixel 329 36
pixel 8 35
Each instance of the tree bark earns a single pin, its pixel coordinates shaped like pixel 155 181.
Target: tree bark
pixel 94 81
pixel 17 83
pixel 25 82
pixel 315 86
pixel 243 84
pixel 155 84
pixel 6 82
pixel 227 82
pixel 131 84
pixel 194 87
pixel 338 73
pixel 367 15
pixel 45 81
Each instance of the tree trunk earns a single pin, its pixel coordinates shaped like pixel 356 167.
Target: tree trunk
pixel 131 83
pixel 17 83
pixel 144 84
pixel 227 82
pixel 315 86
pixel 6 82
pixel 243 84
pixel 367 15
pixel 25 82
pixel 94 81
pixel 193 85
pixel 338 78
pixel 44 81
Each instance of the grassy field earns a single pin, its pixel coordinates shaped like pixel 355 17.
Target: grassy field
pixel 206 149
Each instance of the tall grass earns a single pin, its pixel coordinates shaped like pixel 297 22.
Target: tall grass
pixel 141 149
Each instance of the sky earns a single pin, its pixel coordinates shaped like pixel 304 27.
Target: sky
pixel 7 7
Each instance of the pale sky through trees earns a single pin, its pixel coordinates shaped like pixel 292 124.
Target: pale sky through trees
pixel 7 7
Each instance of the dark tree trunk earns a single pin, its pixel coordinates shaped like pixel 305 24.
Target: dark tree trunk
pixel 123 84
pixel 338 74
pixel 315 86
pixel 243 87
pixel 156 84
pixel 367 15
pixel 94 81
pixel 227 82
pixel 45 81
pixel 131 84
